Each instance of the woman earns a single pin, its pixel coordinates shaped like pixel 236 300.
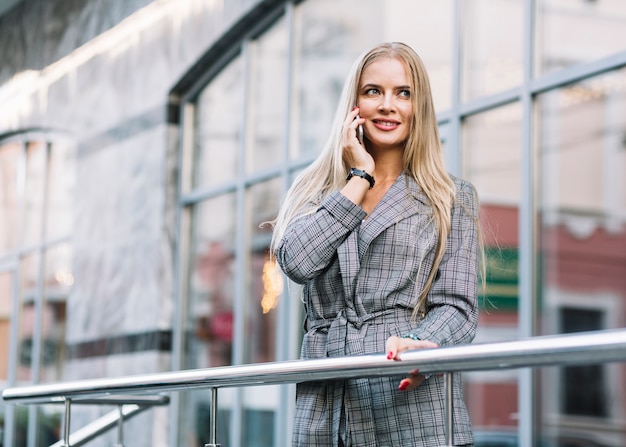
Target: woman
pixel 385 244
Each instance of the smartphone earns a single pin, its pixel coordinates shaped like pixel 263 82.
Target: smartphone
pixel 359 131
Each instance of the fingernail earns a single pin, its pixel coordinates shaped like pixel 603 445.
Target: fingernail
pixel 354 108
pixel 389 355
pixel 403 385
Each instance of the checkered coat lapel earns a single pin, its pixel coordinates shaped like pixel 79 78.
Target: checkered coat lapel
pixel 399 203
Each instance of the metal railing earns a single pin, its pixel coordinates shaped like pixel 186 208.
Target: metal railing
pixel 127 407
pixel 571 349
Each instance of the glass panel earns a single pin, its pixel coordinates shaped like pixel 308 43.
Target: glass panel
pixel 582 209
pixel 492 46
pixel 588 400
pixel 9 200
pixel 210 319
pixel 211 285
pixel 574 32
pixel 265 281
pixel 57 285
pixel 34 193
pixel 329 35
pixel 6 308
pixel 323 60
pixel 268 98
pixel 61 184
pixel 428 27
pixel 27 319
pixel 194 430
pixel 47 428
pixel 265 286
pixel 449 150
pixel 218 127
pixel 259 416
pixel 491 161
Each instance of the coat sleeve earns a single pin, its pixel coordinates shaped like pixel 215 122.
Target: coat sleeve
pixel 310 242
pixel 452 308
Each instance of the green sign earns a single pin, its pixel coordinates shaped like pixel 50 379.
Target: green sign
pixel 500 291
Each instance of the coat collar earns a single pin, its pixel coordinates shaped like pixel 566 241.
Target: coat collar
pixel 403 199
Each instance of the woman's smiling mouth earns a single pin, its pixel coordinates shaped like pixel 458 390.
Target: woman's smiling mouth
pixel 386 125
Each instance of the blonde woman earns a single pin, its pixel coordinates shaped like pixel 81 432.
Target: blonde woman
pixel 385 243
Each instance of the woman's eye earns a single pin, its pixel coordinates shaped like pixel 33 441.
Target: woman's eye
pixel 405 93
pixel 371 91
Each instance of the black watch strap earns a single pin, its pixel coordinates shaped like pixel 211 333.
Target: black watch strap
pixel 360 173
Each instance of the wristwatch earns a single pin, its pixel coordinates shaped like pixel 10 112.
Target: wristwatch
pixel 360 173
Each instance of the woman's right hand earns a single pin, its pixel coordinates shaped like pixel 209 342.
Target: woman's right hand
pixel 354 153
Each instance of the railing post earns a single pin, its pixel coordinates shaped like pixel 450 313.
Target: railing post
pixel 449 407
pixel 120 427
pixel 213 420
pixel 66 423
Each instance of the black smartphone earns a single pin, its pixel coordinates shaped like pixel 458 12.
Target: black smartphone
pixel 359 131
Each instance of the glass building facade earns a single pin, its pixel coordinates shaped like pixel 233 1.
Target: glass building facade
pixel 142 158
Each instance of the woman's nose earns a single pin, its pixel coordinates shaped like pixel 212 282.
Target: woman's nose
pixel 386 103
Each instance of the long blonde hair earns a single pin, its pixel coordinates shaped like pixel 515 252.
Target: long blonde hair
pixel 423 157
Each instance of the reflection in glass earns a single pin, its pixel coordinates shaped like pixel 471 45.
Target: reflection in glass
pixel 265 286
pixel 324 57
pixel 591 399
pixel 575 32
pixel 6 309
pixel 211 283
pixel 582 216
pixel 27 318
pixel 58 280
pixel 210 319
pixel 492 46
pixel 427 26
pixel 268 98
pixel 259 416
pixel 265 281
pixel 449 156
pixel 491 154
pixel 10 154
pixel 218 127
pixel 329 35
pixel 46 429
pixel 60 191
pixel 34 173
pixel 34 192
pixel 491 161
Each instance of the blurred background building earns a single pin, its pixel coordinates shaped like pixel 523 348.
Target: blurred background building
pixel 143 144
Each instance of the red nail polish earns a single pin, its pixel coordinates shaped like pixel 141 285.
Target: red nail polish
pixel 354 108
pixel 389 355
pixel 403 385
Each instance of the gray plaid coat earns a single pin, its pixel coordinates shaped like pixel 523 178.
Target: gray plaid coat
pixel 361 279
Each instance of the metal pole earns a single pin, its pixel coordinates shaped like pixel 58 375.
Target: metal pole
pixel 213 420
pixel 120 427
pixel 66 423
pixel 449 407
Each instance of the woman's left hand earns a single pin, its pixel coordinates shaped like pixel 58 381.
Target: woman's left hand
pixel 396 345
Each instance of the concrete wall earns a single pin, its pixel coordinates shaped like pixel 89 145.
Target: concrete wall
pixel 99 72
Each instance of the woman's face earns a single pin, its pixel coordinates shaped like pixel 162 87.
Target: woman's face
pixel 384 100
